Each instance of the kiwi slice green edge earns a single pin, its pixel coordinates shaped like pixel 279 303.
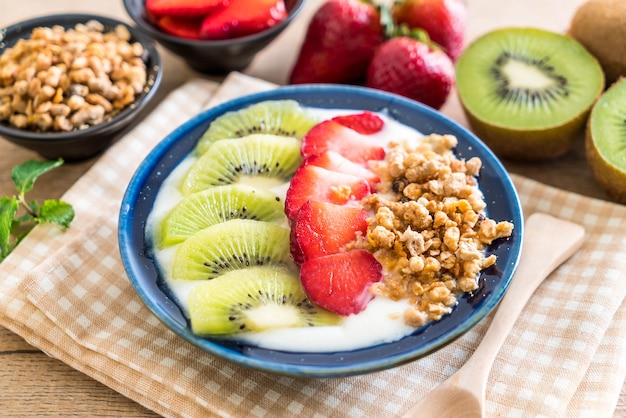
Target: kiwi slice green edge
pixel 527 92
pixel 277 117
pixel 226 160
pixel 605 141
pixel 254 299
pixel 219 204
pixel 231 245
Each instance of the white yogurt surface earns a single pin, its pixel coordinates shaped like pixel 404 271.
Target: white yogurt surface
pixel 380 322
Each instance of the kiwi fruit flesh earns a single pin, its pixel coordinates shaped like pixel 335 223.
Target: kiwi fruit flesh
pixel 605 141
pixel 600 25
pixel 231 245
pixel 229 160
pixel 219 204
pixel 527 92
pixel 252 300
pixel 277 117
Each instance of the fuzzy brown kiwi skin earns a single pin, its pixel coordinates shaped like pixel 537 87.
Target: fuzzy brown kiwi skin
pixel 610 178
pixel 529 145
pixel 600 26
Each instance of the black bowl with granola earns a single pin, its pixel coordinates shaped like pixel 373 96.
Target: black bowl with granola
pixel 71 84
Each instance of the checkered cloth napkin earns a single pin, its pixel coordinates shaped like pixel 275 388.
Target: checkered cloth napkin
pixel 67 293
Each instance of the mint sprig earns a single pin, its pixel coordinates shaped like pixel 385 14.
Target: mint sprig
pixel 14 226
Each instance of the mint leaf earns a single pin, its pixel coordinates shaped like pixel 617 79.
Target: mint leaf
pixel 17 226
pixel 8 209
pixel 25 175
pixel 56 211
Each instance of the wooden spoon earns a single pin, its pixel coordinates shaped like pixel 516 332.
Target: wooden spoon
pixel 548 242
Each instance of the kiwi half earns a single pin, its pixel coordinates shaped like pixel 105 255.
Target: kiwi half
pixel 231 245
pixel 253 299
pixel 277 117
pixel 226 161
pixel 219 204
pixel 527 92
pixel 605 141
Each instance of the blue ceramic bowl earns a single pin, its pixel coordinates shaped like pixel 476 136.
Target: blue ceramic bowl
pixel 500 195
pixel 85 143
pixel 212 56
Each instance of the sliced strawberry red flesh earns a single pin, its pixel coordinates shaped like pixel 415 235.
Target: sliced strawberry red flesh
pixel 331 160
pixel 315 183
pixel 340 282
pixel 366 123
pixel 323 228
pixel 331 135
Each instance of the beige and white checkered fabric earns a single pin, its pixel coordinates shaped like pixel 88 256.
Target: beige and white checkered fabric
pixel 67 294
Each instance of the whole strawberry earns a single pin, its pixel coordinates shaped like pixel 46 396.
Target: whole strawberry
pixel 443 20
pixel 339 43
pixel 413 69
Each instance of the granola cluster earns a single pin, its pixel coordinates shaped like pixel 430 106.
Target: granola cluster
pixel 429 230
pixel 66 79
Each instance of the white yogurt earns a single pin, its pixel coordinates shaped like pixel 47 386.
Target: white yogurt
pixel 382 320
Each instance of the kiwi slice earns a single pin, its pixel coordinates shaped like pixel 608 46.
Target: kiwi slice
pixel 605 143
pixel 527 92
pixel 254 299
pixel 278 117
pixel 231 245
pixel 228 160
pixel 219 204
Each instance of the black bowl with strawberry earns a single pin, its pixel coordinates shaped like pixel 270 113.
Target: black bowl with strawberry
pixel 145 273
pixel 213 36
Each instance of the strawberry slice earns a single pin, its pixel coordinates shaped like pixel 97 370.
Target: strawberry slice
pixel 331 160
pixel 340 282
pixel 332 135
pixel 365 123
pixel 323 228
pixel 311 182
pixel 243 17
pixel 182 27
pixel 184 8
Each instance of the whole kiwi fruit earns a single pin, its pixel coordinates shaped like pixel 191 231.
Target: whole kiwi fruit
pixel 600 25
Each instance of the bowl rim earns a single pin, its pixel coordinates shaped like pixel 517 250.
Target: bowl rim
pixel 15 31
pixel 143 24
pixel 248 356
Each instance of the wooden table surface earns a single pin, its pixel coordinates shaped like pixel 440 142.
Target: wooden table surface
pixel 33 384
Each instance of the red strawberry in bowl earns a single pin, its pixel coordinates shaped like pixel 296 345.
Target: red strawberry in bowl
pixel 310 182
pixel 339 43
pixel 242 18
pixel 443 20
pixel 340 282
pixel 414 69
pixel 332 135
pixel 365 123
pixel 183 27
pixel 331 160
pixel 184 8
pixel 323 228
